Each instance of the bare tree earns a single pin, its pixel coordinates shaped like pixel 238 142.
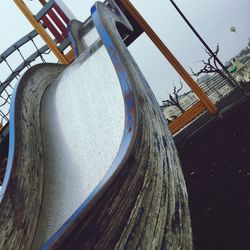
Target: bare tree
pixel 211 66
pixel 174 98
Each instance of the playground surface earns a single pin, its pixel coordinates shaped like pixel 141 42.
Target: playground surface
pixel 216 164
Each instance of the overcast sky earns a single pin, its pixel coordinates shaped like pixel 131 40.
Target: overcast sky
pixel 211 18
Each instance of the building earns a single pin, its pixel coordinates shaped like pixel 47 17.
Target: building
pixel 241 69
pixel 215 86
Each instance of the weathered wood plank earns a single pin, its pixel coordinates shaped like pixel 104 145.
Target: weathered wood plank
pixel 20 205
pixel 3 164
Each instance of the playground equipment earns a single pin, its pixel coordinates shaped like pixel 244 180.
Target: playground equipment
pixel 91 161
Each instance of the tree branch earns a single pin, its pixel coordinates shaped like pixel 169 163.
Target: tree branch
pixel 174 98
pixel 210 65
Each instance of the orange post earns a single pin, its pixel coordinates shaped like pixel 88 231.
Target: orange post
pixel 186 117
pixel 169 56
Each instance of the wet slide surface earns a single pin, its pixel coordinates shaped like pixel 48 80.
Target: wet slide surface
pixel 82 123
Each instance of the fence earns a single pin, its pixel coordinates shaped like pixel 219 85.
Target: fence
pixel 38 54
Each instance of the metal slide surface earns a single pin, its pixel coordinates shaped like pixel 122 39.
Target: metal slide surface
pixel 92 164
pixel 82 123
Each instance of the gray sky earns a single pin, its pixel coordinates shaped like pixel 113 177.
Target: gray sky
pixel 211 18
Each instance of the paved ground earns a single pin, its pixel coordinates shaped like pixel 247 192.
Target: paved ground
pixel 216 165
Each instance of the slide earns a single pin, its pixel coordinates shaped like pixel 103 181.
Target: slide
pixel 92 163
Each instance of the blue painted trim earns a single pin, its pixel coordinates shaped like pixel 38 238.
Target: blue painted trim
pixel 72 40
pixel 11 144
pixel 129 130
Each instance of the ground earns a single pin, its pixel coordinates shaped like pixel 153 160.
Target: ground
pixel 216 165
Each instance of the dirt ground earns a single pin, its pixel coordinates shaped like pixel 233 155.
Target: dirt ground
pixel 216 166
